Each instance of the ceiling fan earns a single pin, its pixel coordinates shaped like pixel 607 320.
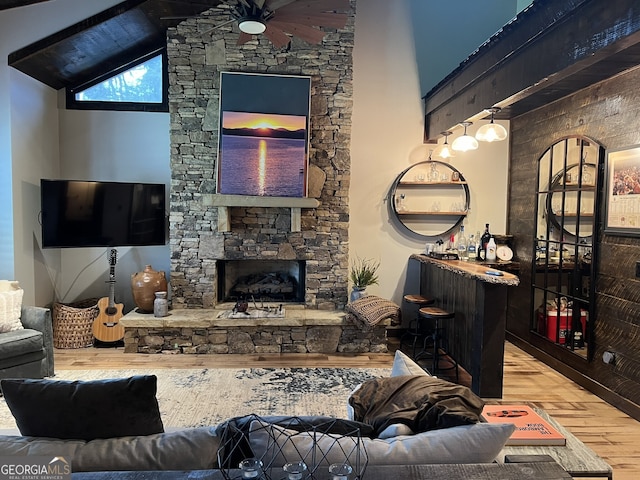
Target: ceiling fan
pixel 278 19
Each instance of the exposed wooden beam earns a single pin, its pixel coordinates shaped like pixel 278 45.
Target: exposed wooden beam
pixel 7 4
pixel 552 49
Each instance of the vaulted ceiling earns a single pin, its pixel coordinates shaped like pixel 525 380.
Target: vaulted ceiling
pixel 553 48
pixel 102 43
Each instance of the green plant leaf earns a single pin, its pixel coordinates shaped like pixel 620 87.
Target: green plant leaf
pixel 363 272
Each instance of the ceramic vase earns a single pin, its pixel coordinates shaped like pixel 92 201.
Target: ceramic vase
pixel 356 293
pixel 144 285
pixel 160 305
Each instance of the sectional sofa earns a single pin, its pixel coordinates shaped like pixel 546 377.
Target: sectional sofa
pixel 442 426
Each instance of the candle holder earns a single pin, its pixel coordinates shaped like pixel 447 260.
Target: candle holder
pixel 295 470
pixel 340 471
pixel 250 468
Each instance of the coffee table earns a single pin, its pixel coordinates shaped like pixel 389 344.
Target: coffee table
pixel 575 457
pixel 485 471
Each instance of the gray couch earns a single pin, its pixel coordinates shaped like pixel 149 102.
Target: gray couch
pixel 196 449
pixel 28 353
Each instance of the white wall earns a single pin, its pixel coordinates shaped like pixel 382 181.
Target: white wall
pixel 121 147
pixel 28 131
pixel 387 135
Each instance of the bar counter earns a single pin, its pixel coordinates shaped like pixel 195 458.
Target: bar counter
pixel 475 338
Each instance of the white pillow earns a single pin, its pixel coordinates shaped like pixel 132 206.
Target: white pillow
pixel 477 443
pixel 188 449
pixel 403 365
pixel 10 306
pixel 396 430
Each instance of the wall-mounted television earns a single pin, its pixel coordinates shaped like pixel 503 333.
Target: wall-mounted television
pixel 79 213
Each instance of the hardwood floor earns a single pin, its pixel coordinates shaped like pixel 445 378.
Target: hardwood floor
pixel 609 432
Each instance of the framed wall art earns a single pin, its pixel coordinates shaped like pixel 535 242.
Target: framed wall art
pixel 263 147
pixel 622 209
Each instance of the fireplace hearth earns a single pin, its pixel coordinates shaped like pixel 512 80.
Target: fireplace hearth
pixel 261 280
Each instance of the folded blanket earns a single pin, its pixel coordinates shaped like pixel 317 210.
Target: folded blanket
pixel 370 310
pixel 419 401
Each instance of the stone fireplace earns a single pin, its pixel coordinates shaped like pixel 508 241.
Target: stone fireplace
pixel 259 281
pixel 202 251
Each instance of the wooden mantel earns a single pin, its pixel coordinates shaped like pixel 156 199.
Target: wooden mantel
pixel 223 202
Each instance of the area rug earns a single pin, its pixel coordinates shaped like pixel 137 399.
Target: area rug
pixel 201 397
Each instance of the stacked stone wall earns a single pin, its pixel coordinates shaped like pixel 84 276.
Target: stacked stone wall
pixel 263 339
pixel 196 57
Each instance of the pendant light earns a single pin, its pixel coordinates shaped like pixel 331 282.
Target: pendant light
pixel 465 142
pixel 443 150
pixel 491 132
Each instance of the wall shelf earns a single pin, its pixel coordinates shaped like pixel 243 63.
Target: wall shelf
pixel 429 198
pixel 224 202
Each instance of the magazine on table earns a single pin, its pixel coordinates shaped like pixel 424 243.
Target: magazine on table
pixel 531 428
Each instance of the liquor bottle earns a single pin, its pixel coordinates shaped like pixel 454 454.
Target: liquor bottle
pixel 485 239
pixel 490 256
pixel 471 249
pixel 462 245
pixel 479 251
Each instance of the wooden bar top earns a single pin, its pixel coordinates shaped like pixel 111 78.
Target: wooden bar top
pixel 475 270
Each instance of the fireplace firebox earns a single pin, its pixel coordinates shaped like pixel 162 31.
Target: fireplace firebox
pixel 261 280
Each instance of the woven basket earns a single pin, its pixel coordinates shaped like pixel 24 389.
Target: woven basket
pixel 73 323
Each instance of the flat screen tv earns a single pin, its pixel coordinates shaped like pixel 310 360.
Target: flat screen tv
pixel 102 214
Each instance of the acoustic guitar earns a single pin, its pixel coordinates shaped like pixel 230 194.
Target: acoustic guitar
pixel 107 327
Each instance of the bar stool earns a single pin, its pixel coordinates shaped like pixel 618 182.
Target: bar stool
pixel 436 315
pixel 416 331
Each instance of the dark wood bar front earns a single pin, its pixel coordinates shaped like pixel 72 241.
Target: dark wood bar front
pixel 479 300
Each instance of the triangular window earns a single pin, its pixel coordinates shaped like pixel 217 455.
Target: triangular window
pixel 137 87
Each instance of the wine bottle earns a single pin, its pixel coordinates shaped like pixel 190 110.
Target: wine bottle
pixel 486 236
pixel 462 245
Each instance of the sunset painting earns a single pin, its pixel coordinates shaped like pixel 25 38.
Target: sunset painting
pixel 263 154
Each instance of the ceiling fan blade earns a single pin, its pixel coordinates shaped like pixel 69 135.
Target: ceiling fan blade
pixel 276 4
pixel 331 20
pixel 276 36
pixel 308 34
pixel 244 38
pixel 218 26
pixel 319 6
pixel 259 3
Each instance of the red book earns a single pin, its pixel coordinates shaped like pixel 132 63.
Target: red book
pixel 531 428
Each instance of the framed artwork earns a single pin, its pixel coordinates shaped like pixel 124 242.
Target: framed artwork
pixel 263 147
pixel 623 191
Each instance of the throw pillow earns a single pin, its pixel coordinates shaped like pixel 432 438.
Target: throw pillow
pixel 189 449
pixel 84 410
pixel 419 401
pixel 477 443
pixel 10 306
pixel 403 365
pixel 396 430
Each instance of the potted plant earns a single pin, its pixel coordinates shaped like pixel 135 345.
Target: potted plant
pixel 362 274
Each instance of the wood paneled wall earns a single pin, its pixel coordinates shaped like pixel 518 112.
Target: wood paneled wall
pixel 609 113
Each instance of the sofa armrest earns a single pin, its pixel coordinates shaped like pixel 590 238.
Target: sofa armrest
pixel 39 318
